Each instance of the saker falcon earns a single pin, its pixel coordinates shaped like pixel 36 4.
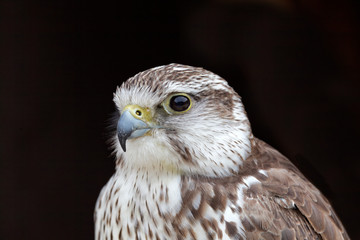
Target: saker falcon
pixel 189 167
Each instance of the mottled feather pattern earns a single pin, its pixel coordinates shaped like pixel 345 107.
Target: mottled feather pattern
pixel 205 176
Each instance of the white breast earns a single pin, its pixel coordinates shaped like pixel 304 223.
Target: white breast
pixel 137 202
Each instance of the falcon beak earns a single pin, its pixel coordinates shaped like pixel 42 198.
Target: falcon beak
pixel 134 122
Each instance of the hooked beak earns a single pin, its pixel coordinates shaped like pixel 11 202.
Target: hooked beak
pixel 134 122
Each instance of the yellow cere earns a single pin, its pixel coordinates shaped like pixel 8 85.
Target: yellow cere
pixel 140 113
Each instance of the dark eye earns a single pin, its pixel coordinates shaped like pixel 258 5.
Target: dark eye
pixel 179 103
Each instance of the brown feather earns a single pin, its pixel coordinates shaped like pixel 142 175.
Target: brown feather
pixel 284 205
pixel 312 210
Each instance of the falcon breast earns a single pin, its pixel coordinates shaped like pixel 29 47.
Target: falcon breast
pixel 188 167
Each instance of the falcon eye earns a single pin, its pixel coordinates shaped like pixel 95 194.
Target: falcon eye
pixel 179 103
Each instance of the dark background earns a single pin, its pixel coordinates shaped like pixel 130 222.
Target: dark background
pixel 296 64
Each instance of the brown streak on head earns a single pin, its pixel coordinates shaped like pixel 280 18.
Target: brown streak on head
pixel 220 100
pixel 182 150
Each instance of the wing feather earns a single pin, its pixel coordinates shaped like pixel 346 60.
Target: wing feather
pixel 312 211
pixel 270 196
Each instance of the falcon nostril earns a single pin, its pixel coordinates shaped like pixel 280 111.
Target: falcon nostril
pixel 138 113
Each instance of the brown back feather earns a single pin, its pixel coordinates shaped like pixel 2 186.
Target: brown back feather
pixel 285 205
pixel 285 181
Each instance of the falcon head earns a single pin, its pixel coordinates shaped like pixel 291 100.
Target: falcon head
pixel 181 119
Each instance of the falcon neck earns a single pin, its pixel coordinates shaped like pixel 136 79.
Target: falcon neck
pixel 142 192
pixel 147 169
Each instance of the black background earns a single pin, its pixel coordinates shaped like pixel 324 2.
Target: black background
pixel 296 65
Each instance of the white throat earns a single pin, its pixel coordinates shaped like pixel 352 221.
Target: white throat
pixel 138 199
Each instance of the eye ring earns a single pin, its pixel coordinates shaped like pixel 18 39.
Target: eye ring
pixel 177 103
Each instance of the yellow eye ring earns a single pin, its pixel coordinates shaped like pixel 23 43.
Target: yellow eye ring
pixel 177 103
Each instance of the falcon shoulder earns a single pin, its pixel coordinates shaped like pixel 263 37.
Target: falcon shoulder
pixel 270 196
pixel 294 197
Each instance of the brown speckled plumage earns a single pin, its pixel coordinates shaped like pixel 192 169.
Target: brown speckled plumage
pixel 202 174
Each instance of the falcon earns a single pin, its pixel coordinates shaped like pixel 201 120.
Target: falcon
pixel 189 167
